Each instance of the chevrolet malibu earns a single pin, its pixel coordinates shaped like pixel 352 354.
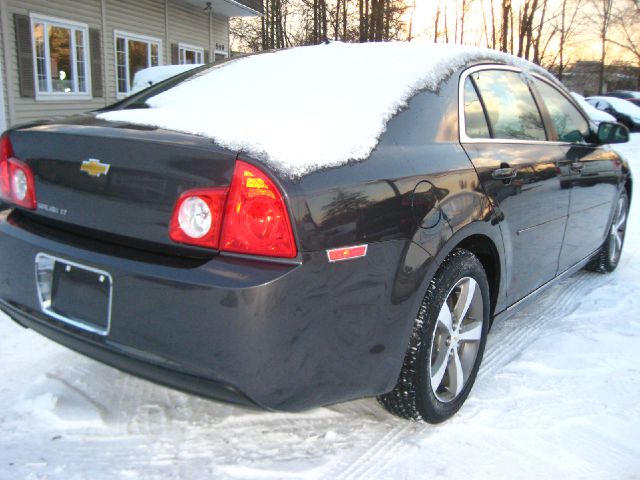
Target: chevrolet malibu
pixel 304 227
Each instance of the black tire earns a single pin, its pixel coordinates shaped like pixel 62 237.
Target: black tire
pixel 608 257
pixel 414 397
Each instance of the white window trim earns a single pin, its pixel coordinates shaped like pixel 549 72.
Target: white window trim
pixel 61 22
pixel 185 46
pixel 137 37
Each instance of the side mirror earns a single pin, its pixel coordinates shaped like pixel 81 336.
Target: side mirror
pixel 609 132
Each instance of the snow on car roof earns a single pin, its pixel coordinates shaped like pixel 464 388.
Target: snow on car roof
pixel 595 114
pixel 306 108
pixel 620 105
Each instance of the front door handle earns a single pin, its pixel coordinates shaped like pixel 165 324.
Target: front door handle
pixel 506 173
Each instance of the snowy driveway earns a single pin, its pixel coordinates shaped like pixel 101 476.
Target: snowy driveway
pixel 558 396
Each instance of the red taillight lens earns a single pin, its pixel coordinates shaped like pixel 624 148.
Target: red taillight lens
pixel 6 151
pixel 17 184
pixel 197 217
pixel 256 220
pixel 249 217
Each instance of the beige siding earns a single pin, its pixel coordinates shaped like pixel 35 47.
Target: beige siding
pixel 188 24
pixel 142 17
pixel 149 18
pixel 221 32
pixel 4 114
pixel 28 109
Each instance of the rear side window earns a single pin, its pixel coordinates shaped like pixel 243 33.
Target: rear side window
pixel 570 125
pixel 474 120
pixel 510 106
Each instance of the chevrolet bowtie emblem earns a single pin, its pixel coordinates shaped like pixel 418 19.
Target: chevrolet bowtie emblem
pixel 95 167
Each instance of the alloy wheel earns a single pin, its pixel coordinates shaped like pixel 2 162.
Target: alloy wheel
pixel 618 227
pixel 456 339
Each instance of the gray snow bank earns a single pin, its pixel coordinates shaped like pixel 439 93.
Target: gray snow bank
pixel 306 108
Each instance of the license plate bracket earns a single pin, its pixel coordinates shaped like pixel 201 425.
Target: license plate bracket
pixel 74 293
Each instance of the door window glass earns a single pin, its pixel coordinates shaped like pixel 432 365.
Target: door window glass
pixel 474 120
pixel 570 125
pixel 510 106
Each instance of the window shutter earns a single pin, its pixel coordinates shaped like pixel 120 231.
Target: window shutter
pixel 25 55
pixel 207 56
pixel 95 50
pixel 175 54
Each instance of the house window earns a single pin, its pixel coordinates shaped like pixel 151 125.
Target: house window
pixel 190 54
pixel 134 53
pixel 60 55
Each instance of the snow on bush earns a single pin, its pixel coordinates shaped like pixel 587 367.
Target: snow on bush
pixel 306 108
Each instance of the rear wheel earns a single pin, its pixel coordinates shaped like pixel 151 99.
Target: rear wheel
pixel 608 257
pixel 446 345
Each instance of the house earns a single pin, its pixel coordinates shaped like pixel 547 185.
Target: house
pixel 59 57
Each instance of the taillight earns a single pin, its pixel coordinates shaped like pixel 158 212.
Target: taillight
pixel 256 220
pixel 17 184
pixel 5 183
pixel 197 217
pixel 249 217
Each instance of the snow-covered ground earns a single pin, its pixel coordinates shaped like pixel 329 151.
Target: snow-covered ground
pixel 558 396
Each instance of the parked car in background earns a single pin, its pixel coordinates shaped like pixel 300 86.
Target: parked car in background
pixel 626 94
pixel 635 101
pixel 314 240
pixel 624 111
pixel 594 114
pixel 149 76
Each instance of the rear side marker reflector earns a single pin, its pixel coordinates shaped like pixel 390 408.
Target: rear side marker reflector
pixel 346 253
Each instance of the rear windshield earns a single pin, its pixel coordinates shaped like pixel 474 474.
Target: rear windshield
pixel 139 100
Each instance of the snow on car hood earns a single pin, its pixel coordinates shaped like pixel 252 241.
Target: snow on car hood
pixel 306 108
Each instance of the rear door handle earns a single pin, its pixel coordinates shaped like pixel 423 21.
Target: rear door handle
pixel 576 166
pixel 504 173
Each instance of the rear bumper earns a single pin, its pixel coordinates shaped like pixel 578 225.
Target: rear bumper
pixel 279 336
pixel 123 361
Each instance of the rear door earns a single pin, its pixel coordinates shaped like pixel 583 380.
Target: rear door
pixel 503 133
pixel 591 174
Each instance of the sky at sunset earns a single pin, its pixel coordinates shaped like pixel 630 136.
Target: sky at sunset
pixel 582 45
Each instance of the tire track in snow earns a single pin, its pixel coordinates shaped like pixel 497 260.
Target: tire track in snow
pixel 371 458
pixel 509 338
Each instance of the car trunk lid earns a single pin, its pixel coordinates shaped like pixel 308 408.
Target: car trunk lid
pixel 117 181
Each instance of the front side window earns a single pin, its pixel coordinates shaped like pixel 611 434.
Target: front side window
pixel 570 125
pixel 191 55
pixel 60 56
pixel 133 53
pixel 512 112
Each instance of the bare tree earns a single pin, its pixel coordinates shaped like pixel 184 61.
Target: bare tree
pixel 603 10
pixel 625 23
pixel 506 15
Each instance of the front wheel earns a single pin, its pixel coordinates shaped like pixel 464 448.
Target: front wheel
pixel 608 257
pixel 446 345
